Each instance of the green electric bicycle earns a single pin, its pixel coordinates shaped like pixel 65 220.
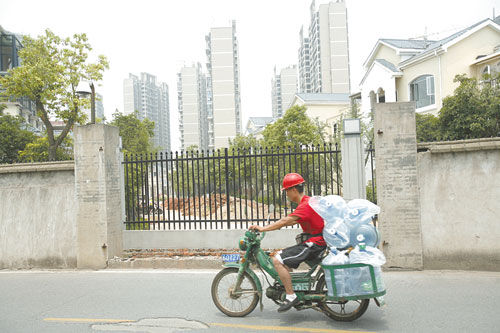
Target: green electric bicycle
pixel 236 289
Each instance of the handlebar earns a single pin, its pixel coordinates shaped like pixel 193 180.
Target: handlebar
pixel 257 233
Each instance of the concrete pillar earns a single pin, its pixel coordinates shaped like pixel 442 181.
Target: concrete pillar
pixel 99 193
pixel 397 184
pixel 353 171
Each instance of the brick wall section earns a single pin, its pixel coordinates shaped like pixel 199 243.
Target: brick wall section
pixel 98 193
pixel 397 184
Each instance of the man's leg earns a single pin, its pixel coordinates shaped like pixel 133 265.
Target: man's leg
pixel 284 275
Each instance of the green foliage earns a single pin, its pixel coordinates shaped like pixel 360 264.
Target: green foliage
pixel 243 142
pixel 371 193
pixel 51 70
pixel 38 151
pixel 366 122
pixel 13 138
pixel 294 129
pixel 136 137
pixel 473 111
pixel 428 128
pixel 136 134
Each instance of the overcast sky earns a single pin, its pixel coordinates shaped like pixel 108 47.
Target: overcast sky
pixel 158 37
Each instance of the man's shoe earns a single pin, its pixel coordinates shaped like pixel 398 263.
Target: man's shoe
pixel 287 305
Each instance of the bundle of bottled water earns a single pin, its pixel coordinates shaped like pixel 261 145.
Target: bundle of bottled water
pixel 349 225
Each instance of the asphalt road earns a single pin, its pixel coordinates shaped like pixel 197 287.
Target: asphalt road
pixel 172 301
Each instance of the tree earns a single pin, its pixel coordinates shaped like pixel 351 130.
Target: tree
pixel 50 72
pixel 13 138
pixel 473 111
pixel 136 134
pixel 294 129
pixel 38 151
pixel 428 128
pixel 136 137
pixel 243 142
pixel 366 121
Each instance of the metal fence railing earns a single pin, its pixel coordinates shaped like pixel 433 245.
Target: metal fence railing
pixel 223 189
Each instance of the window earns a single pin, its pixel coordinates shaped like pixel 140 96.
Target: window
pixel 6 52
pixel 422 91
pixel 487 70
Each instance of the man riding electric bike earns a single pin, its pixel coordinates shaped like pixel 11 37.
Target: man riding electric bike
pixel 311 244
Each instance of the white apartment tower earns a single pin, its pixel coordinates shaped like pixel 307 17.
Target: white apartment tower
pixel 304 64
pixel 224 86
pixel 328 56
pixel 150 99
pixel 192 103
pixel 284 88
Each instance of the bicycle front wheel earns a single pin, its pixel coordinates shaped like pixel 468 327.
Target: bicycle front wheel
pixel 232 302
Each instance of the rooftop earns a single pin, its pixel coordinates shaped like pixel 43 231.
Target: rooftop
pixel 388 65
pixel 260 121
pixel 422 47
pixel 436 44
pixel 408 43
pixel 313 97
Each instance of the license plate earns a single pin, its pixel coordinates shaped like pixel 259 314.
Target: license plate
pixel 233 257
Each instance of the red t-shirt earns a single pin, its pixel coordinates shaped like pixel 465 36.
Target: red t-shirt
pixel 310 221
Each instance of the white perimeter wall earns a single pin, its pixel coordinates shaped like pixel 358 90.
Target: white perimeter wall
pixel 460 204
pixel 37 220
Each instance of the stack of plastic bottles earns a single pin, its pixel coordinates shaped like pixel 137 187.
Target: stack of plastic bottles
pixel 350 225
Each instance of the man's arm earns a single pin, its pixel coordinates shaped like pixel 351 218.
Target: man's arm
pixel 284 222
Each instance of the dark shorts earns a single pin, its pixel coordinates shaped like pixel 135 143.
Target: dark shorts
pixel 292 256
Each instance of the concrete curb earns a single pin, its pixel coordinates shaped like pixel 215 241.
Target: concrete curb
pixel 167 263
pixel 204 262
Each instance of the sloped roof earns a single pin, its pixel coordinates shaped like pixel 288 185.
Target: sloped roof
pixel 260 121
pixel 424 47
pixel 434 46
pixel 388 65
pixel 408 43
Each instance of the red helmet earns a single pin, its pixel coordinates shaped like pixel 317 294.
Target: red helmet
pixel 291 180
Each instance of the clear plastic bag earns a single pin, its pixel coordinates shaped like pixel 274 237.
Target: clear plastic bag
pixel 360 210
pixel 341 278
pixel 344 222
pixel 336 234
pixel 359 281
pixel 371 256
pixel 329 207
pixel 338 258
pixel 364 233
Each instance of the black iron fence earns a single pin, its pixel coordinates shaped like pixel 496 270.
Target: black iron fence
pixel 371 187
pixel 223 189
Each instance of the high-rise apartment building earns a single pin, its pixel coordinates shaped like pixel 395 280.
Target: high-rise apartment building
pixel 325 50
pixel 150 99
pixel 304 64
pixel 284 88
pixel 192 104
pixel 224 85
pixel 99 106
pixel 10 45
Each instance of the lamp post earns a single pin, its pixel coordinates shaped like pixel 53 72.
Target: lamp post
pixel 92 100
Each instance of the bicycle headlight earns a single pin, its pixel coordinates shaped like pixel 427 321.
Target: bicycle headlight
pixel 242 244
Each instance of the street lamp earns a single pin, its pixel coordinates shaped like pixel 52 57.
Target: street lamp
pixel 84 93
